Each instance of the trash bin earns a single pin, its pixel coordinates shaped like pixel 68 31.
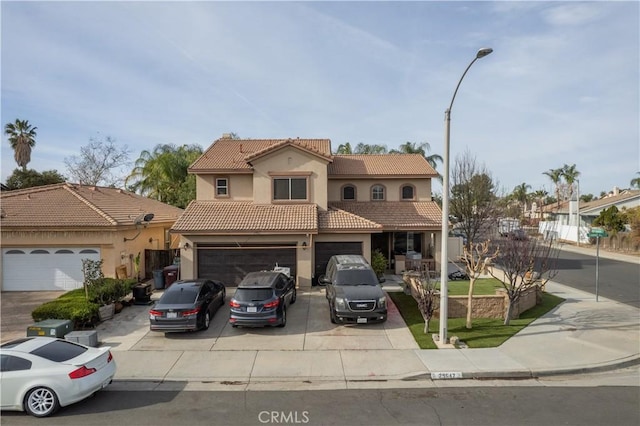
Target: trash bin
pixel 158 279
pixel 170 274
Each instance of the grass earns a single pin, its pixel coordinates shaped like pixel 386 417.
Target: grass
pixel 486 332
pixel 481 287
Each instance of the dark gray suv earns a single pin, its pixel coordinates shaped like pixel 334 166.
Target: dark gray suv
pixel 353 290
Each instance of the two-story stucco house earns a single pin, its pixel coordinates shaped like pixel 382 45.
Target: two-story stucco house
pixel 292 203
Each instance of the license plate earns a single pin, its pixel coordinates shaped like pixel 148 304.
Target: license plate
pixel 361 320
pixel 252 309
pixel 172 315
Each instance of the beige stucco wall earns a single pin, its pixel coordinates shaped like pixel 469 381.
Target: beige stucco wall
pixel 240 187
pixel 363 188
pixel 188 261
pixel 290 160
pixel 113 249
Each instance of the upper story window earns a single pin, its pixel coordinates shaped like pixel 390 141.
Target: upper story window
pixel 408 193
pixel 286 189
pixel 377 193
pixel 222 187
pixel 348 193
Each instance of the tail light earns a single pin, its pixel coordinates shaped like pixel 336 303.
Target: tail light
pixel 234 304
pixel 272 304
pixel 155 313
pixel 81 372
pixel 110 358
pixel 191 312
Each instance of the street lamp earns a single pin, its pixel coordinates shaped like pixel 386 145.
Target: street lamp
pixel 444 302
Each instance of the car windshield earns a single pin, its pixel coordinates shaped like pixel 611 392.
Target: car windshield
pixel 59 350
pixel 179 296
pixel 356 277
pixel 253 294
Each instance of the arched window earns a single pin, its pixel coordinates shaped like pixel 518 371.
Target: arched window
pixel 377 193
pixel 348 193
pixel 407 193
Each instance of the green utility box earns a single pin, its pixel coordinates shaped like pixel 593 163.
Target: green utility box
pixel 50 328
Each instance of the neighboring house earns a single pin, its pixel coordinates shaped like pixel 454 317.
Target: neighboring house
pixel 561 220
pixel 291 203
pixel 47 231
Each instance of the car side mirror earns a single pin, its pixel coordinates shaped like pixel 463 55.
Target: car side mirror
pixel 323 280
pixel 381 279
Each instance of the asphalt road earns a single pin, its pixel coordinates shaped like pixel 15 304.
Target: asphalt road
pixel 617 280
pixel 513 406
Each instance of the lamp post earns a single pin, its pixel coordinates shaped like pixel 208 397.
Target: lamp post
pixel 444 302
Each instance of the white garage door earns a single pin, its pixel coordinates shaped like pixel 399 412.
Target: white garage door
pixel 49 268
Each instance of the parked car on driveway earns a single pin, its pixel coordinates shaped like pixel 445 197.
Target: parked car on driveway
pixel 353 291
pixel 41 374
pixel 262 298
pixel 187 306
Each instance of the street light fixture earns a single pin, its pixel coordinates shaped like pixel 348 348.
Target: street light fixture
pixel 444 302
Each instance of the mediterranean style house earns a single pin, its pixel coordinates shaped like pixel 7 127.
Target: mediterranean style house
pixel 290 203
pixel 47 231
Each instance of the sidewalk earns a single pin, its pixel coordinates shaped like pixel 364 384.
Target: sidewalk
pixel 579 335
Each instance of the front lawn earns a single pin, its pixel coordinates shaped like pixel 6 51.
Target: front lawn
pixel 486 332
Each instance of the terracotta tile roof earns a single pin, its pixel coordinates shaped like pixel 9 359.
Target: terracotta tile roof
pixel 215 217
pixel 233 154
pixel 70 205
pixel 597 205
pixel 387 165
pixel 396 215
pixel 336 220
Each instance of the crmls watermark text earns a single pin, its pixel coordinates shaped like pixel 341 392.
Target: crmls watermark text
pixel 284 417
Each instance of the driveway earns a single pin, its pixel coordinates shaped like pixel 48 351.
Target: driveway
pixel 308 328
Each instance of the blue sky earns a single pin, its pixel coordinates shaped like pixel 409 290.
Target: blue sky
pixel 561 87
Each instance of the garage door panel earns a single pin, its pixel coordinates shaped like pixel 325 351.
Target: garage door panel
pixel 48 269
pixel 230 265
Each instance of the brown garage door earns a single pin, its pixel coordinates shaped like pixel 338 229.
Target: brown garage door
pixel 324 251
pixel 231 264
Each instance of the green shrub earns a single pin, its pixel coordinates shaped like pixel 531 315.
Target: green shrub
pixel 378 262
pixel 109 290
pixel 72 306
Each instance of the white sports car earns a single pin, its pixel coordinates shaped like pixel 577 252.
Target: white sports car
pixel 40 374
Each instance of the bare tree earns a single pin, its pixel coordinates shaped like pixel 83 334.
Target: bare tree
pixel 423 290
pixel 522 264
pixel 97 161
pixel 477 256
pixel 474 201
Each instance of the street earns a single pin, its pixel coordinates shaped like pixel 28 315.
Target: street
pixel 618 280
pixel 555 401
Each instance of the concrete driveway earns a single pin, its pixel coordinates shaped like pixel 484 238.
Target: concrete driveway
pixel 308 328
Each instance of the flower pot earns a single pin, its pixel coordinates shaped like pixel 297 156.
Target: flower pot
pixel 106 312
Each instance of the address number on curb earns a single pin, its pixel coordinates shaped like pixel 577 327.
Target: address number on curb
pixel 443 375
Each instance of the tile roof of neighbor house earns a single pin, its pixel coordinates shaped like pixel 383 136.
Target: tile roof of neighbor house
pixel 597 205
pixel 229 155
pixel 71 205
pixel 214 217
pixel 387 165
pixel 336 220
pixel 398 215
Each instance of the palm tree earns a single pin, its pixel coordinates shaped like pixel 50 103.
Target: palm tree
pixel 521 195
pixel 570 175
pixel 162 174
pixel 540 196
pixel 422 149
pixel 636 181
pixel 22 137
pixel 344 148
pixel 364 148
pixel 555 175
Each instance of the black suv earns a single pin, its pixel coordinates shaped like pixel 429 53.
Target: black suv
pixel 262 299
pixel 353 291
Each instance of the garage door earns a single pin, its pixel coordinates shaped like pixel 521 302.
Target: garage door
pixel 231 264
pixel 324 251
pixel 50 268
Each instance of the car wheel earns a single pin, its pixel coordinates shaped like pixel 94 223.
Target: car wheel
pixel 41 402
pixel 207 321
pixel 284 318
pixel 224 296
pixel 294 296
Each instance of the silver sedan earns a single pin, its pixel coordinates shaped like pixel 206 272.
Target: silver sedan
pixel 41 374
